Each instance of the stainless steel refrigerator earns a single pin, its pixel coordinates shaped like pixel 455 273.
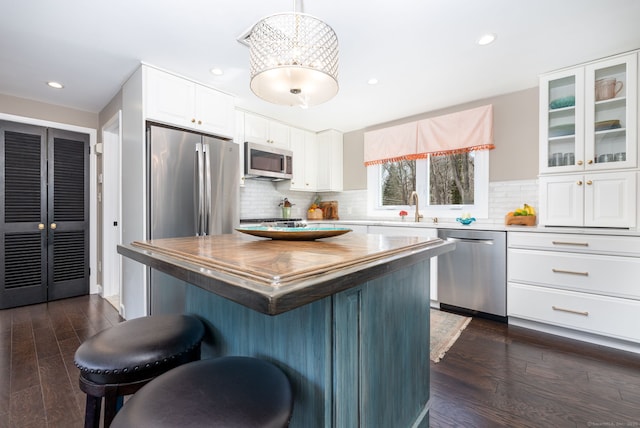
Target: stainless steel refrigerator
pixel 193 190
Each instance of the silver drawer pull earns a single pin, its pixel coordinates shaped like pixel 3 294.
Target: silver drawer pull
pixel 571 311
pixel 576 244
pixel 569 272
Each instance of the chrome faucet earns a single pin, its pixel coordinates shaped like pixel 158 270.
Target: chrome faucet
pixel 413 196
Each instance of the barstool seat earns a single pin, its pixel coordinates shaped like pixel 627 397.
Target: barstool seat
pixel 118 361
pixel 220 392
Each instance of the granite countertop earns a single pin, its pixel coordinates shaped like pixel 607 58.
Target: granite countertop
pixel 274 276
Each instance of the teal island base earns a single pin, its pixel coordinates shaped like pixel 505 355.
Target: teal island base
pixel 357 358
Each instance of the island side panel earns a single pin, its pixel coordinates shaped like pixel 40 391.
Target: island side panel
pixel 298 341
pixel 382 351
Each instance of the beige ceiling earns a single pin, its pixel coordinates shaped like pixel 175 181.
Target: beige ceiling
pixel 423 52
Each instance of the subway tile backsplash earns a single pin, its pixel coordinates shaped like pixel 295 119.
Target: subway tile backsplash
pixel 260 199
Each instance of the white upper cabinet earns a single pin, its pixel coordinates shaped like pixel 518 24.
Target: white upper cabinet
pixel 329 161
pixel 180 102
pixel 588 116
pixel 305 161
pixel 259 129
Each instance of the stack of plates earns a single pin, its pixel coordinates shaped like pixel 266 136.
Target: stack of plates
pixel 607 124
pixel 569 101
pixel 560 130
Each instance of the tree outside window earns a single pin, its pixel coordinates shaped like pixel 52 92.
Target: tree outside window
pixel 398 181
pixel 450 180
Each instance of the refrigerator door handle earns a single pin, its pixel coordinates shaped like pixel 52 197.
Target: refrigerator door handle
pixel 199 190
pixel 207 189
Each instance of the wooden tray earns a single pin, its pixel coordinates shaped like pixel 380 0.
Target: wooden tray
pixel 524 220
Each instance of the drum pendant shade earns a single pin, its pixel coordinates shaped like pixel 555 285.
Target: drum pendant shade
pixel 293 60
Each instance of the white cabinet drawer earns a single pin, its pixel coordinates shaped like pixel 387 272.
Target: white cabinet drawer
pixel 586 312
pixel 577 243
pixel 608 275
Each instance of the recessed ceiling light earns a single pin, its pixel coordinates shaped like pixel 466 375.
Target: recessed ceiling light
pixel 373 81
pixel 55 85
pixel 217 71
pixel 485 39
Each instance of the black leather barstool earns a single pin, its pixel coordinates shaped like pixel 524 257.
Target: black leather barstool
pixel 220 392
pixel 120 360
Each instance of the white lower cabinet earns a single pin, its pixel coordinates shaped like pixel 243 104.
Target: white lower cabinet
pixel 592 200
pixel 581 282
pixel 608 316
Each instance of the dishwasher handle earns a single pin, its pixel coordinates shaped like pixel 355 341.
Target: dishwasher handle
pixel 471 240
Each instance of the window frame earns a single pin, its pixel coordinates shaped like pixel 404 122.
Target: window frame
pixel 480 208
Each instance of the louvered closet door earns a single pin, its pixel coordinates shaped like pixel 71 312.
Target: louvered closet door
pixel 68 214
pixel 23 234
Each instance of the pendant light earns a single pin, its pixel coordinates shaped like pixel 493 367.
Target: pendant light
pixel 293 59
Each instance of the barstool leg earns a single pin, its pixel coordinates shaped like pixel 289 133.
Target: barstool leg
pixel 92 412
pixel 112 403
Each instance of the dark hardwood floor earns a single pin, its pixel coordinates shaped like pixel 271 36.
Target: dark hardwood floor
pixel 38 380
pixel 493 376
pixel 504 376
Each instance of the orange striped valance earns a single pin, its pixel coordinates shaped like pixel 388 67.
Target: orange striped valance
pixel 442 135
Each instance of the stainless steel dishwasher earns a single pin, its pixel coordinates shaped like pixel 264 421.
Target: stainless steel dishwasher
pixel 473 277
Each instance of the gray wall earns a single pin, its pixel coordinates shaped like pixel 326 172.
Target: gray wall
pixel 53 113
pixel 515 121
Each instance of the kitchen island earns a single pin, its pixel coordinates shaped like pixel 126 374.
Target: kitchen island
pixel 346 318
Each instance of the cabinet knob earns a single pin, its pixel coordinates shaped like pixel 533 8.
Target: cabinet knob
pixel 199 122
pixel 579 162
pixel 589 182
pixel 54 226
pixel 41 226
pixel 579 183
pixel 590 161
pixel 193 120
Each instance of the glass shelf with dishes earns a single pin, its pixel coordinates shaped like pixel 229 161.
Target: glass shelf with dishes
pixel 559 101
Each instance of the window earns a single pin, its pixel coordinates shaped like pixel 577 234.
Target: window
pixel 446 185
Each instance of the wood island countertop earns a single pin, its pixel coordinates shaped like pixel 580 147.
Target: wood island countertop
pixel 275 276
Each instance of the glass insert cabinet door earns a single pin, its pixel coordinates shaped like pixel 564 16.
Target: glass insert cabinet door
pixel 562 121
pixel 588 116
pixel 610 115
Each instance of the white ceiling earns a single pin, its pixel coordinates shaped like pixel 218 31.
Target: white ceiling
pixel 422 51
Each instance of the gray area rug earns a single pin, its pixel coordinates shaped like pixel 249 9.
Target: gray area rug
pixel 445 330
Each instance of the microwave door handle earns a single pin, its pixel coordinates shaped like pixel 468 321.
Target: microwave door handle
pixel 207 189
pixel 198 189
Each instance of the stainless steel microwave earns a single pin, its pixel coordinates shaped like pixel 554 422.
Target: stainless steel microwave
pixel 261 161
